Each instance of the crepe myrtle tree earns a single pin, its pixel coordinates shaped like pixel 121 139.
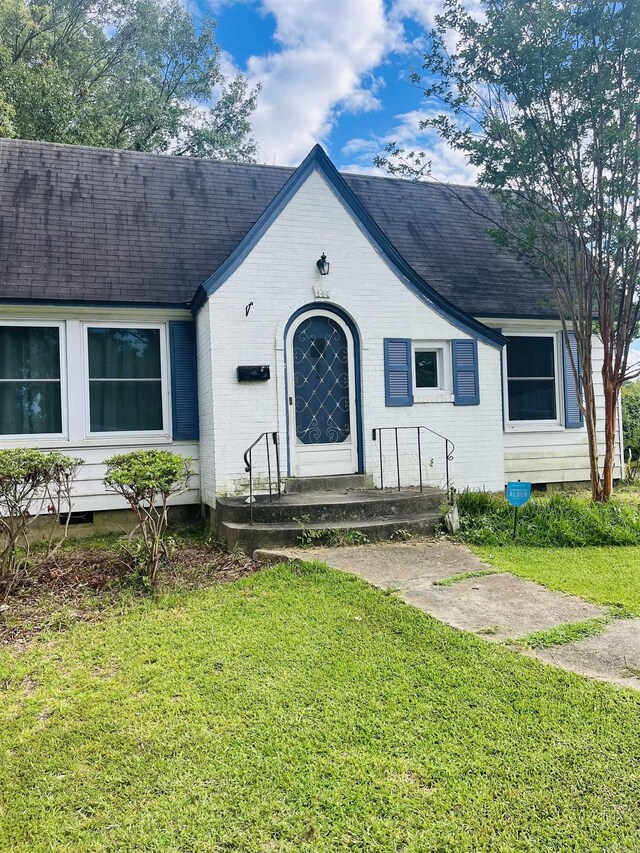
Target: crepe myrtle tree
pixel 544 99
pixel 147 480
pixel 33 484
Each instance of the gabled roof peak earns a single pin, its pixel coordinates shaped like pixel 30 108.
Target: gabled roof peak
pixel 318 159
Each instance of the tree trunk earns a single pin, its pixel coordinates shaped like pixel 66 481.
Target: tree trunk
pixel 591 422
pixel 611 393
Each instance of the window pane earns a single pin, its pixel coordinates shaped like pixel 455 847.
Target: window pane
pixel 124 353
pixel 125 406
pixel 426 370
pixel 530 357
pixel 28 408
pixel 532 400
pixel 29 352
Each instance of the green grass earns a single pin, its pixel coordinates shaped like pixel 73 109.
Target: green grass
pixel 463 576
pixel 603 575
pixel 561 519
pixel 570 632
pixel 300 710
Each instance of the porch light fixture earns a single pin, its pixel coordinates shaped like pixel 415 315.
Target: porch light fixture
pixel 323 264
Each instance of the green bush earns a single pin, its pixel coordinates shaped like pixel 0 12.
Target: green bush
pixel 557 520
pixel 147 480
pixel 631 417
pixel 32 484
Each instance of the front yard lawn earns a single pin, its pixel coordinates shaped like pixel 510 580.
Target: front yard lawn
pixel 603 575
pixel 300 710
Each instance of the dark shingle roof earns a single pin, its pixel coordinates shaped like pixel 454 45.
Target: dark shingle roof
pixel 92 224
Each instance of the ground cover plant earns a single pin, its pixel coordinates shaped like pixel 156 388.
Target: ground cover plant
pixel 561 519
pixel 301 710
pixel 605 575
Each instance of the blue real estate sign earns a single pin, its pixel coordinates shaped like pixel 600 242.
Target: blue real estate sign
pixel 518 493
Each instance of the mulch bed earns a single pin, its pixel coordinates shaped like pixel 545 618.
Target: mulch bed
pixel 81 585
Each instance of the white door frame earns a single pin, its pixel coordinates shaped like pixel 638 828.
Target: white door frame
pixel 317 460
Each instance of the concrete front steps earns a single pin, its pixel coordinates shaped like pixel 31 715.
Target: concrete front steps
pixel 335 504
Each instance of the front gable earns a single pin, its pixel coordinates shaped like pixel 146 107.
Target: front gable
pixel 318 162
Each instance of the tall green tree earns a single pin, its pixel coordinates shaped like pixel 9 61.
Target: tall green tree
pixel 135 74
pixel 544 98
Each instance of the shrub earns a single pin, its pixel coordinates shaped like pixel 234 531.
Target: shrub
pixel 147 480
pixel 32 484
pixel 631 428
pixel 556 520
pixel 631 417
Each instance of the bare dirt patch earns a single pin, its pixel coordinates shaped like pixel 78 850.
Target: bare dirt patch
pixel 81 585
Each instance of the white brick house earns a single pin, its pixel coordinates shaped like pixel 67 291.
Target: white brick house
pixel 127 276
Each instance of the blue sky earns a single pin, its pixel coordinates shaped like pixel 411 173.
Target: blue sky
pixel 335 72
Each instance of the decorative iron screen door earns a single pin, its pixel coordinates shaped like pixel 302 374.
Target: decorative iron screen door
pixel 321 396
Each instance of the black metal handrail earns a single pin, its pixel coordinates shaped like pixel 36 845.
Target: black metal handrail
pixel 248 462
pixel 449 447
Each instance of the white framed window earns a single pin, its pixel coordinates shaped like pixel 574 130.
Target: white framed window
pixel 532 380
pixel 126 379
pixel 431 369
pixel 32 379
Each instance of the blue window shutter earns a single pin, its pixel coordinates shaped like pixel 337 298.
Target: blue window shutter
pixel 572 413
pixel 466 386
pixel 398 375
pixel 184 384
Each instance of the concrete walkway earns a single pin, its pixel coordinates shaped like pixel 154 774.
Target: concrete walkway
pixel 496 606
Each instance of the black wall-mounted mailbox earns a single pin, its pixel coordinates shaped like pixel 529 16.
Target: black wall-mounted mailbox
pixel 254 373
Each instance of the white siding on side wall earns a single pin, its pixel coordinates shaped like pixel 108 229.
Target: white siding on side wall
pixel 553 454
pixel 278 277
pixel 90 494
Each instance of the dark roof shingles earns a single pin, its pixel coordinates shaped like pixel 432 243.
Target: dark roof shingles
pixel 90 224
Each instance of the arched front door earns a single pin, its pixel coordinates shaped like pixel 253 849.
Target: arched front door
pixel 321 395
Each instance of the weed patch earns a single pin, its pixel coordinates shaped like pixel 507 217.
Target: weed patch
pixel 337 537
pixel 571 632
pixel 559 520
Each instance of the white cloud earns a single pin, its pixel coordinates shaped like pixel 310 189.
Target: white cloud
pixel 323 65
pixel 448 166
pixel 327 50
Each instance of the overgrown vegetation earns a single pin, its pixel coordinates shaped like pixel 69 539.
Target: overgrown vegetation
pixel 147 480
pixel 335 537
pixel 557 520
pixel 32 485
